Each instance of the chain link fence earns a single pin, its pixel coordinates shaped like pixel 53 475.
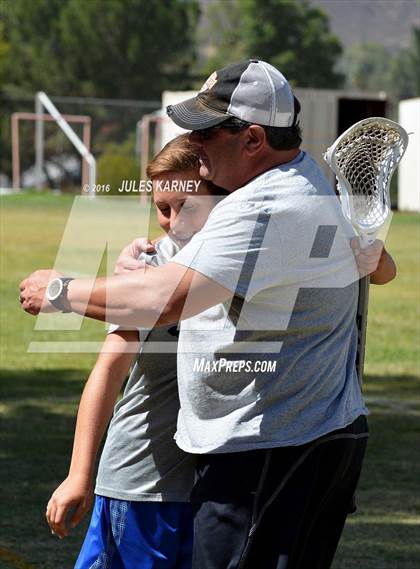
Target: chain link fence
pixel 113 141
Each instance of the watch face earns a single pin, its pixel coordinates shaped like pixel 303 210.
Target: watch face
pixel 54 289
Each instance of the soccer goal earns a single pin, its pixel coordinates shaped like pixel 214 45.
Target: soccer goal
pixel 43 103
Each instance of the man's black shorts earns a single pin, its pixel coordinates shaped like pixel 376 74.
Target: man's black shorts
pixel 277 508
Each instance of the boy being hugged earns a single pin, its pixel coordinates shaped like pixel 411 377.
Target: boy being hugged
pixel 142 516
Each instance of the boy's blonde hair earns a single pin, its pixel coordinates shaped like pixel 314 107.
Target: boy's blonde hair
pixel 179 155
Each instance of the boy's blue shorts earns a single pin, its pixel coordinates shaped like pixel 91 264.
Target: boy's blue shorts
pixel 138 535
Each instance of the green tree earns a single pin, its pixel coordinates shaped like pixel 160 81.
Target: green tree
pixel 224 28
pixel 108 48
pixel 294 36
pixel 366 66
pixel 117 163
pixel 35 51
pixel 4 50
pixel 403 80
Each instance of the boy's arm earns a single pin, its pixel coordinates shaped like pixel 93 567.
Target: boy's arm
pixel 385 271
pixel 95 410
pixel 374 261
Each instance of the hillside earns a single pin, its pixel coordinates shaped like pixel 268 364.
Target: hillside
pixel 386 22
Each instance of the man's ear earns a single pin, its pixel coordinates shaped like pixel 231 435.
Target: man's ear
pixel 255 139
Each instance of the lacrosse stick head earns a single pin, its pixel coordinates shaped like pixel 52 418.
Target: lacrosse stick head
pixel 364 159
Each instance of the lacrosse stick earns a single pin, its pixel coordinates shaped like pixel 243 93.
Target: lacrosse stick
pixel 364 159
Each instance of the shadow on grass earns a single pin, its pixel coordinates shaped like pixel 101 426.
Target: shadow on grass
pixel 37 421
pixel 41 383
pixel 401 386
pixel 383 533
pixel 379 546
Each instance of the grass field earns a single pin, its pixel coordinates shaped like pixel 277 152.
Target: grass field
pixel 39 395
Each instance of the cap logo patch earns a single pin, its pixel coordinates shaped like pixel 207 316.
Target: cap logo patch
pixel 211 82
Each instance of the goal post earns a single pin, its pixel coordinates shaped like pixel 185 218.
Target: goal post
pixel 41 118
pixel 45 110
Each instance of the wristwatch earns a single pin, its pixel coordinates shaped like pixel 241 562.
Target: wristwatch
pixel 57 293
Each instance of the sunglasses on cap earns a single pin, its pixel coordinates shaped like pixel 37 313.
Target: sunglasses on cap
pixel 205 133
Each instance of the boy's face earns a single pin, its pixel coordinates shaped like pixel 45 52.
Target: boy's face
pixel 181 214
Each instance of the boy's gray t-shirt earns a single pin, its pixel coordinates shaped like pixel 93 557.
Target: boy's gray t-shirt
pixel 140 460
pixel 281 245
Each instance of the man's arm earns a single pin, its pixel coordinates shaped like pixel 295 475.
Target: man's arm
pixel 147 297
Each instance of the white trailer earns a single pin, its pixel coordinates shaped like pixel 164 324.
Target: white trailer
pixel 409 169
pixel 325 114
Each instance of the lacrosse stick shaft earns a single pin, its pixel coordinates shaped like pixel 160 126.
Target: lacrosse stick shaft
pixel 364 159
pixel 361 319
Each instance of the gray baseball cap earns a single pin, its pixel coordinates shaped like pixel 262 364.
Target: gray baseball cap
pixel 252 90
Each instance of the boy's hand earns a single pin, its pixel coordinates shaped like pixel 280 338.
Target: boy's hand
pixel 367 259
pixel 73 493
pixel 129 256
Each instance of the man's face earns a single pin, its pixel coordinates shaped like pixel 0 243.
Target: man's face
pixel 222 156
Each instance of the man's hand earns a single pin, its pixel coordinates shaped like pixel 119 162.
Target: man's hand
pixel 129 256
pixel 367 259
pixel 73 493
pixel 32 292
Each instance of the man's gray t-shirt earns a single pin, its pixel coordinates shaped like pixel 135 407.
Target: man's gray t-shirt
pixel 140 460
pixel 281 245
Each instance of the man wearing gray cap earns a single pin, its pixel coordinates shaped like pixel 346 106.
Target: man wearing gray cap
pixel 267 295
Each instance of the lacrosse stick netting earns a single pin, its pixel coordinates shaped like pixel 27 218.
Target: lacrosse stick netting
pixel 364 159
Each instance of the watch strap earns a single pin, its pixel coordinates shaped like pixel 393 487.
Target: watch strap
pixel 61 302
